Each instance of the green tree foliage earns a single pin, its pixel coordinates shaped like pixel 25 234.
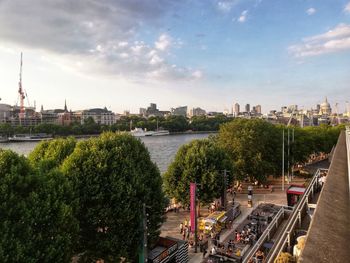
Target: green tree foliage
pixel 204 123
pixel 36 216
pixel 113 176
pixel 175 123
pixel 200 161
pixel 254 147
pixel 53 153
pixel 6 129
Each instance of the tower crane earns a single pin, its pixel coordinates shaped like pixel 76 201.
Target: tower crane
pixel 347 109
pixel 21 93
pixel 337 113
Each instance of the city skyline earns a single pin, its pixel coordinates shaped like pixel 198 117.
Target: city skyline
pixel 210 55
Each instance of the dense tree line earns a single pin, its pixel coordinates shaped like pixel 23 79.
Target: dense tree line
pixel 125 123
pixel 82 199
pixel 249 149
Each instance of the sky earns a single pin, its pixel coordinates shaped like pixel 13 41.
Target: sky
pixel 126 54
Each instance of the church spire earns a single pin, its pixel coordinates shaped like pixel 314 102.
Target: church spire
pixel 65 105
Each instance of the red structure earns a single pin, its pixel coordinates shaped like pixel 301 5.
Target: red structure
pixel 294 193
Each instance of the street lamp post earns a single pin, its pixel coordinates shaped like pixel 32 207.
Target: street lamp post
pixel 224 201
pixel 283 159
pixel 195 220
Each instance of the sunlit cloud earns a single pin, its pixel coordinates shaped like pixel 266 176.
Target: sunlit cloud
pixel 225 6
pixel 103 36
pixel 334 40
pixel 347 8
pixel 243 16
pixel 311 11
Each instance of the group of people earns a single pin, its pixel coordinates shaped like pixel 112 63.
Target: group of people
pixel 228 250
pixel 248 235
pixel 185 230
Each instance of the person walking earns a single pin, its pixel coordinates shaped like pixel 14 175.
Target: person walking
pixel 181 227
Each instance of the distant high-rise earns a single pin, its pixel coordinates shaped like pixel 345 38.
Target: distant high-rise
pixel 180 111
pixel 318 107
pixel 258 109
pixel 143 111
pixel 197 112
pixel 247 107
pixel 236 112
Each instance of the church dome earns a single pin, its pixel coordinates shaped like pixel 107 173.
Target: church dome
pixel 325 107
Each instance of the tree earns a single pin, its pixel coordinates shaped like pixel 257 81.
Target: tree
pixel 175 123
pixel 53 152
pixel 36 217
pixel 254 147
pixel 200 161
pixel 113 176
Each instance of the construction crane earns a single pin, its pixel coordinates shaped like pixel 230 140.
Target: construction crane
pixel 347 109
pixel 291 117
pixel 337 113
pixel 21 93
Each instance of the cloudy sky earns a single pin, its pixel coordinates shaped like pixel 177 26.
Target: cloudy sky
pixel 125 54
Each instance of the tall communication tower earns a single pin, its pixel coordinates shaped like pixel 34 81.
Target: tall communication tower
pixel 21 93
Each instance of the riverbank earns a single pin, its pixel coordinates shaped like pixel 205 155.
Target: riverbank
pixel 84 136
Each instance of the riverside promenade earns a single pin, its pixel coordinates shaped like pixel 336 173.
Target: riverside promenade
pixel 171 226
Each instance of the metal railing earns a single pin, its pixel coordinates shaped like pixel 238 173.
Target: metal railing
pixel 285 237
pixel 347 137
pixel 266 234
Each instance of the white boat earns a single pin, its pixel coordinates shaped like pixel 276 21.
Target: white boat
pixel 139 132
pixel 160 133
pixel 30 137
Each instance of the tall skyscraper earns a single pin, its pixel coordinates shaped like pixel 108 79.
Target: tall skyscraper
pixel 247 107
pixel 236 111
pixel 258 109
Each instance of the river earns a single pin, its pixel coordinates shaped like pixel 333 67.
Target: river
pixel 162 148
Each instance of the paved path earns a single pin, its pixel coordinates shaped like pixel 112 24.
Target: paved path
pixel 171 226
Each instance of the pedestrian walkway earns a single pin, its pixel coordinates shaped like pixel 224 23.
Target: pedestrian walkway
pixel 171 226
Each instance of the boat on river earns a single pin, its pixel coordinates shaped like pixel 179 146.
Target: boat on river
pixel 30 137
pixel 160 133
pixel 3 139
pixel 139 132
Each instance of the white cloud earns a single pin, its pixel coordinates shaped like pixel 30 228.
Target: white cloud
pixel 311 11
pixel 100 34
pixel 225 6
pixel 197 74
pixel 347 8
pixel 156 60
pixel 164 42
pixel 335 40
pixel 243 16
pixel 123 43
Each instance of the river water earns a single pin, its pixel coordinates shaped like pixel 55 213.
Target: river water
pixel 162 148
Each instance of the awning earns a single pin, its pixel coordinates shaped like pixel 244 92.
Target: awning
pixel 296 190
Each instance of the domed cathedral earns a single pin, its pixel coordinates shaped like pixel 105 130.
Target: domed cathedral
pixel 325 108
